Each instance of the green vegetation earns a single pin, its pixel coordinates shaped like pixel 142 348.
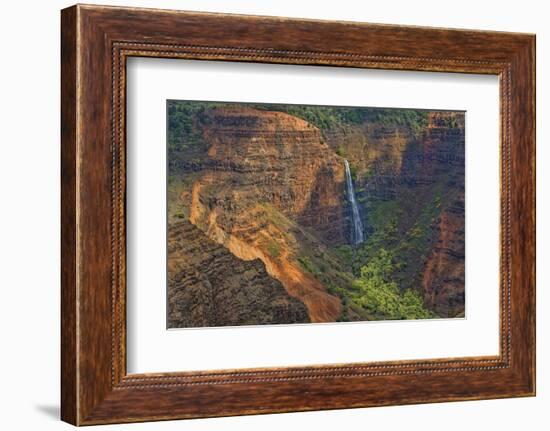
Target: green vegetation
pixel 305 261
pixel 182 128
pixel 341 151
pixel 274 249
pixel 414 119
pixel 328 117
pixel 404 227
pixel 381 212
pixel 380 295
pixel 387 267
pixel 185 124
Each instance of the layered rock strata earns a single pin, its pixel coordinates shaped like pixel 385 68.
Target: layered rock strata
pixel 209 286
pixel 267 178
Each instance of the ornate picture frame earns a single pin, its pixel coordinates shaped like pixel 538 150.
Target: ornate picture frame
pixel 96 42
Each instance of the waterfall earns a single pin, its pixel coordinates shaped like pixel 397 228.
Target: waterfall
pixel 357 235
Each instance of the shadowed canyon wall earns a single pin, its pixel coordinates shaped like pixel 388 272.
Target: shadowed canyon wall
pixel 411 186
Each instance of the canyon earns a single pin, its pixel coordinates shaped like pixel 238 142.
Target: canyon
pixel 268 188
pixel 413 185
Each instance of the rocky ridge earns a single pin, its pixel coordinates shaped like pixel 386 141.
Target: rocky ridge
pixel 212 287
pixel 268 173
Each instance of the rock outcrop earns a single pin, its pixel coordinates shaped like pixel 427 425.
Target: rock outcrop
pixel 443 279
pixel 268 176
pixel 279 159
pixel 209 286
pixel 444 273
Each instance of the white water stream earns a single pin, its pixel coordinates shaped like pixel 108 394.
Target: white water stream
pixel 357 235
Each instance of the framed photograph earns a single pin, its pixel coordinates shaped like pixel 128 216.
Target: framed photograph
pixel 264 215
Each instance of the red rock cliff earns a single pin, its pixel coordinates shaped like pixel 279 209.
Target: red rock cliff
pixel 268 172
